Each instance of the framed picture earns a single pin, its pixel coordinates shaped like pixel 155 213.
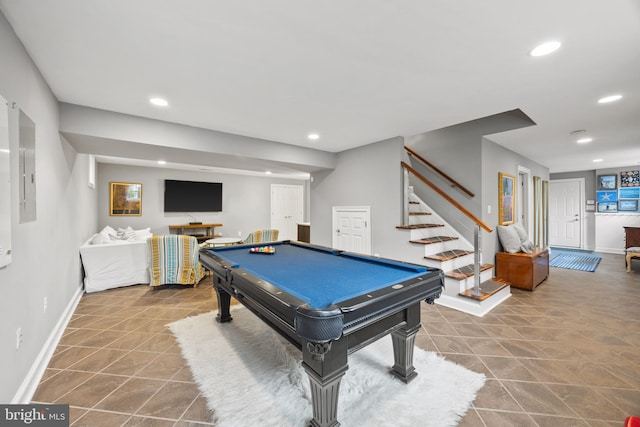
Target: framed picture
pixel 506 199
pixel 607 182
pixel 630 179
pixel 608 207
pixel 629 193
pixel 607 196
pixel 628 205
pixel 125 199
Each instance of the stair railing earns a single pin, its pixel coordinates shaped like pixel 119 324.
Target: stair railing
pixel 478 223
pixel 452 181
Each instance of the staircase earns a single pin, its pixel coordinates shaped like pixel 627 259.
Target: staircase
pixel 446 249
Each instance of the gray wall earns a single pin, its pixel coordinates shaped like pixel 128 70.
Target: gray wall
pixel 372 176
pixel 495 159
pixel 474 161
pixel 589 177
pixel 590 188
pixel 46 262
pixel 462 152
pixel 366 176
pixel 246 199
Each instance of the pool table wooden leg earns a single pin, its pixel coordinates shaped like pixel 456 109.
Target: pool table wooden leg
pixel 403 342
pixel 324 396
pixel 224 304
pixel 325 366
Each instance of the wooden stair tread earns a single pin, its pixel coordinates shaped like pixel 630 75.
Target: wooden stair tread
pixel 419 213
pixel 417 226
pixel 434 239
pixel 466 271
pixel 448 255
pixel 487 289
pixel 411 202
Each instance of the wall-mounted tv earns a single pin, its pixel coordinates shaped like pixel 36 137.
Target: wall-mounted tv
pixel 192 196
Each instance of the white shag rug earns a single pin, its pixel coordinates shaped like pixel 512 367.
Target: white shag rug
pixel 250 376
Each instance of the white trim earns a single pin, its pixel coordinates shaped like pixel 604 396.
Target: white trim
pixel 92 171
pixel 583 212
pixel 334 223
pixel 529 185
pixel 473 307
pixel 30 383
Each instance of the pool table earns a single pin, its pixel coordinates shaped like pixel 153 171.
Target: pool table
pixel 328 303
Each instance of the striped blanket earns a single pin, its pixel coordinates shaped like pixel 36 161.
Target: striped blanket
pixel 174 260
pixel 259 236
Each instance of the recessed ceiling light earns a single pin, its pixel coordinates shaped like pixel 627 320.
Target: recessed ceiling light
pixel 162 162
pixel 546 48
pixel 313 136
pixel 267 172
pixel 584 140
pixel 597 160
pixel 608 99
pixel 159 102
pixel 4 150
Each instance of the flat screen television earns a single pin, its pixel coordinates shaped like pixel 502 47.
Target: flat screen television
pixel 192 196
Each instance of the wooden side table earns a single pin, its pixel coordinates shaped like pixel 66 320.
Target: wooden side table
pixel 522 270
pixel 191 229
pixel 631 242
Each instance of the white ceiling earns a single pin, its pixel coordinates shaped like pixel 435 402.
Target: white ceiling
pixel 356 71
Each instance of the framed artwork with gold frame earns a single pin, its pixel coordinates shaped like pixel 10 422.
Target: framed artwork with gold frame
pixel 125 199
pixel 506 199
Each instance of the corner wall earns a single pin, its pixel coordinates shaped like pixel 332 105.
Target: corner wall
pixel 366 176
pixel 246 204
pixel 495 159
pixel 45 261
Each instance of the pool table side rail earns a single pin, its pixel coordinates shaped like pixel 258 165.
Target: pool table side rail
pixel 395 300
pixel 320 325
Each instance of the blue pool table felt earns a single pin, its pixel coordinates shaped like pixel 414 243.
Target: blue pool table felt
pixel 317 277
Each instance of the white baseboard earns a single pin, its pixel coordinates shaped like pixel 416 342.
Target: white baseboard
pixel 471 306
pixel 605 250
pixel 31 381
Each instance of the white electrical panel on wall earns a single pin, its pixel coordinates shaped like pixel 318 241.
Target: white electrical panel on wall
pixel 27 168
pixel 5 186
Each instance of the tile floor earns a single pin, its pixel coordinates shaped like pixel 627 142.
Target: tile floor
pixel 567 354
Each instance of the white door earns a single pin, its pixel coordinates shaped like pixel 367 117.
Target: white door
pixel 287 207
pixel 565 213
pixel 351 229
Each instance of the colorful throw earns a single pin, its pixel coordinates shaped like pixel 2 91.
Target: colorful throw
pixel 174 260
pixel 270 235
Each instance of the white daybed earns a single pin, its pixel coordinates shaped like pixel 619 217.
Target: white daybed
pixel 112 259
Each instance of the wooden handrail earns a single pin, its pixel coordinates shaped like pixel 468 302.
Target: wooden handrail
pixel 447 197
pixel 439 172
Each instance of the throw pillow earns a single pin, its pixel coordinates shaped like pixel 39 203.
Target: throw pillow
pixel 142 234
pixel 99 239
pixel 526 245
pixel 109 231
pixel 126 233
pixel 509 239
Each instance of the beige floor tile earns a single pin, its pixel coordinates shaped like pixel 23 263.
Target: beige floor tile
pixel 563 355
pixel 171 401
pixel 92 391
pixel 131 395
pixel 537 398
pixel 100 419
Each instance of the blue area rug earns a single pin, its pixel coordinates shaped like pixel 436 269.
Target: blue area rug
pixel 574 259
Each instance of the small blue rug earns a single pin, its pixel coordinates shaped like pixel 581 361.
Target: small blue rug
pixel 574 259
